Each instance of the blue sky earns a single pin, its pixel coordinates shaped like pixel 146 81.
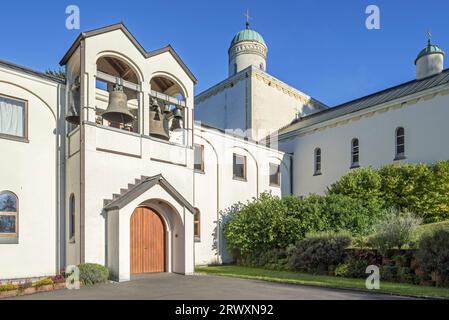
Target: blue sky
pixel 320 47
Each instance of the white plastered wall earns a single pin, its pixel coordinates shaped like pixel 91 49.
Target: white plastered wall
pixel 29 171
pixel 216 190
pixel 426 130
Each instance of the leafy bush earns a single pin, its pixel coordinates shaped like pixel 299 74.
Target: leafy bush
pixel 343 213
pixel 433 255
pixel 396 231
pixel 320 252
pixel 43 282
pixel 8 287
pixel 419 188
pixel 272 223
pixel 364 184
pixel 93 273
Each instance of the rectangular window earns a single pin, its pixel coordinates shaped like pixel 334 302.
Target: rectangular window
pixel 197 226
pixel 13 113
pixel 275 175
pixel 199 158
pixel 239 167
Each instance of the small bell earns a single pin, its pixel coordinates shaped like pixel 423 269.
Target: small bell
pixel 118 111
pixel 158 123
pixel 176 124
pixel 166 109
pixel 178 114
pixel 73 116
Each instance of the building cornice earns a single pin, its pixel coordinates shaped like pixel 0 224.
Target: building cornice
pixel 260 75
pixel 396 104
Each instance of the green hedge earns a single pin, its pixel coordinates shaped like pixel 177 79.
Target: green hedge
pixel 419 188
pixel 272 223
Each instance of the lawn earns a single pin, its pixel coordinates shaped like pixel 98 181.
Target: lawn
pixel 323 281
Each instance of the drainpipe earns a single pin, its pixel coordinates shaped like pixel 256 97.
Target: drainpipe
pixel 82 150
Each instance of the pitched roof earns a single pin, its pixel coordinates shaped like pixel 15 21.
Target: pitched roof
pixel 143 186
pixel 23 69
pixel 371 100
pixel 121 26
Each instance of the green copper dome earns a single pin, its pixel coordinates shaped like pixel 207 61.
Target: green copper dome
pixel 247 35
pixel 430 49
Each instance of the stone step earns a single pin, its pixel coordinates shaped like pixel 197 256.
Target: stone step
pixel 123 191
pixel 115 196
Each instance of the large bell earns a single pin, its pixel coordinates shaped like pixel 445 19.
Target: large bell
pixel 118 111
pixel 73 116
pixel 159 126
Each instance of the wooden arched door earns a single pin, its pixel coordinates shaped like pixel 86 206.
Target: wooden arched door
pixel 147 242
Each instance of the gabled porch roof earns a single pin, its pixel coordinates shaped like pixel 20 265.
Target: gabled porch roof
pixel 143 186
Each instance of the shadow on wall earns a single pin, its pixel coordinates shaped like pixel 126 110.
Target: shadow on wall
pixel 219 244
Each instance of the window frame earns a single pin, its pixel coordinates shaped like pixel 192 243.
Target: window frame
pixel 11 238
pixel 25 137
pixel 72 219
pixel 202 170
pixel 354 153
pixel 245 168
pixel 317 165
pixel 278 175
pixel 399 155
pixel 197 222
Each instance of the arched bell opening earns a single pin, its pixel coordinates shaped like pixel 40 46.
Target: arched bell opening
pixel 168 116
pixel 117 94
pixel 72 115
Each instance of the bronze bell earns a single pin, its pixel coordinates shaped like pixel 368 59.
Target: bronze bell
pixel 178 114
pixel 158 122
pixel 118 111
pixel 177 119
pixel 73 116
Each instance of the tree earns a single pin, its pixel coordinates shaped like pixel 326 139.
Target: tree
pixel 57 73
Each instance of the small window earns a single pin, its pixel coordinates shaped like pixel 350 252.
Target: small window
pixel 355 153
pixel 199 158
pixel 239 167
pixel 275 175
pixel 262 67
pixel 8 215
pixel 13 116
pixel 235 68
pixel 72 218
pixel 197 225
pixel 317 161
pixel 400 143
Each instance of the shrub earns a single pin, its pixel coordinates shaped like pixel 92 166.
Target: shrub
pixel 343 213
pixel 433 255
pixel 272 223
pixel 93 273
pixel 8 287
pixel 419 188
pixel 43 282
pixel 318 253
pixel 363 184
pixel 261 225
pixel 396 231
pixel 341 270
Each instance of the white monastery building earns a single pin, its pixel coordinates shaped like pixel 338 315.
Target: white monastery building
pixel 120 164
